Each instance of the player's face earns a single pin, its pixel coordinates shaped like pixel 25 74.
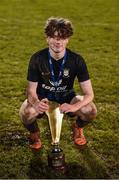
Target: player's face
pixel 57 44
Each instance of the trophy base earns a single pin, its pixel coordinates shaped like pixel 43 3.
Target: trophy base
pixel 56 160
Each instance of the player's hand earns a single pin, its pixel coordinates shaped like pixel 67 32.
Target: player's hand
pixel 65 108
pixel 41 106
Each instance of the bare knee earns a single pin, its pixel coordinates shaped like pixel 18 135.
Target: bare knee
pixel 94 112
pixel 89 112
pixel 26 116
pixel 26 113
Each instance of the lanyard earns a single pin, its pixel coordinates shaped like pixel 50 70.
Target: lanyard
pixel 56 82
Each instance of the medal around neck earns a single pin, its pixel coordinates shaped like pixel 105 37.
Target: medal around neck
pixel 56 157
pixel 56 82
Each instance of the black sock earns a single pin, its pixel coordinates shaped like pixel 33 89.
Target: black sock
pixel 81 123
pixel 33 127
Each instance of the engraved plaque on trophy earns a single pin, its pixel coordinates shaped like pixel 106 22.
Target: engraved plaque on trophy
pixel 56 157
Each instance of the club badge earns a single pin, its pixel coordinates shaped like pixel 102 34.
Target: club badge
pixel 66 73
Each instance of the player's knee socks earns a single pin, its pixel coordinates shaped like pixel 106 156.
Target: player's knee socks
pixel 33 127
pixel 81 123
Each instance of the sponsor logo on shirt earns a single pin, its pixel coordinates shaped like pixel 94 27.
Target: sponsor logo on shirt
pixel 55 83
pixel 52 89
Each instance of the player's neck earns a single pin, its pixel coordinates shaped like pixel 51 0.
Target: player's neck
pixel 57 56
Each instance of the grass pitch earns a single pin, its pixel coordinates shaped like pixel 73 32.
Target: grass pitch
pixel 96 38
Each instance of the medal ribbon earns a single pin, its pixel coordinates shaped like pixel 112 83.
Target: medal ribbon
pixel 56 82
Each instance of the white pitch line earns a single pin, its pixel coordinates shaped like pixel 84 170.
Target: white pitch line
pixel 82 24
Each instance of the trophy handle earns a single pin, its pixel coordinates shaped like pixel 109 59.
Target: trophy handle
pixel 55 121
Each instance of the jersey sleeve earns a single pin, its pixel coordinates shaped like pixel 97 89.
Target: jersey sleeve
pixel 82 71
pixel 33 72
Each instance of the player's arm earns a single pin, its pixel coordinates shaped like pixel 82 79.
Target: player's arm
pixel 88 94
pixel 31 92
pixel 32 97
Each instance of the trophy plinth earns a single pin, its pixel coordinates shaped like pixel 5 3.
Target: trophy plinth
pixel 56 157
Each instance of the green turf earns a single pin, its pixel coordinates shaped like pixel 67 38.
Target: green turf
pixel 96 38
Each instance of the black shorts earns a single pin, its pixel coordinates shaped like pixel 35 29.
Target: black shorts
pixel 61 97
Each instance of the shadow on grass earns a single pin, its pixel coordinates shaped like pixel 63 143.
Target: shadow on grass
pixel 96 167
pixel 39 169
pixel 90 168
pixel 87 165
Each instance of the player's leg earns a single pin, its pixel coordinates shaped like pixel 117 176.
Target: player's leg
pixel 28 117
pixel 84 116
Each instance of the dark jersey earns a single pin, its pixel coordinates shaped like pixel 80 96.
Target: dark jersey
pixel 39 71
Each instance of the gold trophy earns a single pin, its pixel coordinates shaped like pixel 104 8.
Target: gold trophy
pixel 56 158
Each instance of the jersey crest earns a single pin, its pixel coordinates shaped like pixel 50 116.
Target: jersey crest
pixel 66 72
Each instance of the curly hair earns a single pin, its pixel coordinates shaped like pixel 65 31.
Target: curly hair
pixel 60 25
